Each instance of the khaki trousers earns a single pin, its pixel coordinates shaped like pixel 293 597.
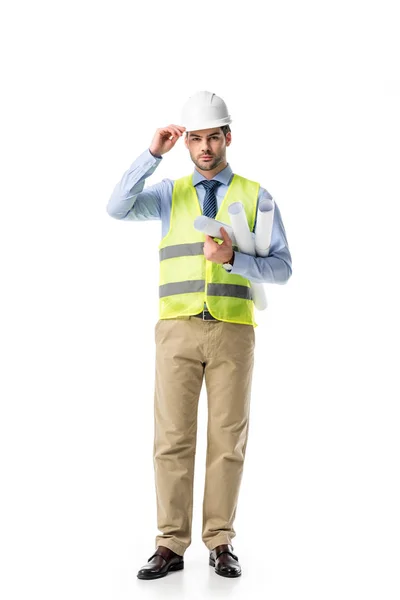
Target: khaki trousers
pixel 188 349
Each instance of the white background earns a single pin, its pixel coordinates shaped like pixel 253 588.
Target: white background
pixel 314 92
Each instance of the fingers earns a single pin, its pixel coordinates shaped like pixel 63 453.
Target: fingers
pixel 225 235
pixel 165 138
pixel 174 130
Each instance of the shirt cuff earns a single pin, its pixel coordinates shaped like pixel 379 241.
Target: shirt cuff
pixel 154 155
pixel 241 264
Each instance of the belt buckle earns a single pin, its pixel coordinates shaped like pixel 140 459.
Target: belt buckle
pixel 209 317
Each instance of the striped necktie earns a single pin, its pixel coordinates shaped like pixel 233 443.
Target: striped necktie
pixel 210 201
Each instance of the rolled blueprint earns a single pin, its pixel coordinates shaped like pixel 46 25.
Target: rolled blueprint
pixel 241 228
pixel 265 219
pixel 212 227
pixel 246 243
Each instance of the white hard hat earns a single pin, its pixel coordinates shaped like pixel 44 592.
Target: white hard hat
pixel 204 110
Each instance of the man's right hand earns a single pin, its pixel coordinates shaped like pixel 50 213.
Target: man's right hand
pixel 161 141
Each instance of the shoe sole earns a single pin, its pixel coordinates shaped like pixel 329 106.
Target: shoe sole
pixel 211 562
pixel 177 567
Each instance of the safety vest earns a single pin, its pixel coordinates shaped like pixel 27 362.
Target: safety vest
pixel 187 278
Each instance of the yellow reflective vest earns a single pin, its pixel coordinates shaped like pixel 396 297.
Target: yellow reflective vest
pixel 187 279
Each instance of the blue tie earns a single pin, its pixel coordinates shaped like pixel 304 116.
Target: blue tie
pixel 210 201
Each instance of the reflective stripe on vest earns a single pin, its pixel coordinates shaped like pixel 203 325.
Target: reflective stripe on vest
pixel 187 279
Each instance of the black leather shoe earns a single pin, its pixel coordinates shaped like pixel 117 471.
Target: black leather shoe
pixel 162 561
pixel 225 562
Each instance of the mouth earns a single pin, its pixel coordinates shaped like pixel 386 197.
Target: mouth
pixel 206 157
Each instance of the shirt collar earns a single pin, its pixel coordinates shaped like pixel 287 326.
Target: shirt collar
pixel 223 176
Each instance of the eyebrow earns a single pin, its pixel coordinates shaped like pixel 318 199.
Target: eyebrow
pixel 209 135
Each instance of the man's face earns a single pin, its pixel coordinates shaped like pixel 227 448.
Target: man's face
pixel 207 142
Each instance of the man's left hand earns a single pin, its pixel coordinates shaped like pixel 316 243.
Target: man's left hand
pixel 219 253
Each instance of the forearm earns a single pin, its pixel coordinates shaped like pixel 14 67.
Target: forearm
pixel 263 269
pixel 125 193
pixel 274 268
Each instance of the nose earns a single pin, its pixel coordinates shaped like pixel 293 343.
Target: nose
pixel 206 147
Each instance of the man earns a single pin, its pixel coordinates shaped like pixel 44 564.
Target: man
pixel 205 329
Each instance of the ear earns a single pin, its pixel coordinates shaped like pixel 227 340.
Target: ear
pixel 228 138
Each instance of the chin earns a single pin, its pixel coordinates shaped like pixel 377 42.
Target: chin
pixel 207 166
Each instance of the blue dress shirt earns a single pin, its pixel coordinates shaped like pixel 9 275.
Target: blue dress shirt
pixel 130 201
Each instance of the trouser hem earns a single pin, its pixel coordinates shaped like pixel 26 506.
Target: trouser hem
pixel 217 541
pixel 172 544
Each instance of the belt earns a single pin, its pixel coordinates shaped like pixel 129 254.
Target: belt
pixel 206 316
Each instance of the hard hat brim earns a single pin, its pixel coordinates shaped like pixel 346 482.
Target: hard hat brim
pixel 197 126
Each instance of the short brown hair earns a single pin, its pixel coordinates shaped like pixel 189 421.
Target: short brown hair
pixel 225 129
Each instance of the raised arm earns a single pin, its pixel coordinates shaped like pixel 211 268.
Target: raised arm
pixel 129 200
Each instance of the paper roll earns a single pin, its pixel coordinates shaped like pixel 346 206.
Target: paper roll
pixel 212 227
pixel 246 243
pixel 263 233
